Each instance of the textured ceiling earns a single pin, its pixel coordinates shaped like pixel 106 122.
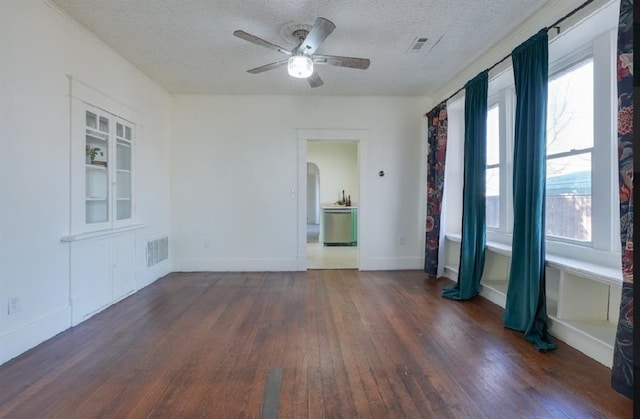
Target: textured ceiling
pixel 187 46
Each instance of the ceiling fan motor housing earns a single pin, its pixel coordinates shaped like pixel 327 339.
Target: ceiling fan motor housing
pixel 301 35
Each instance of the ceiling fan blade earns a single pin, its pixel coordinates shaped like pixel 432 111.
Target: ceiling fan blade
pixel 267 67
pixel 316 36
pixel 259 41
pixel 351 62
pixel 315 80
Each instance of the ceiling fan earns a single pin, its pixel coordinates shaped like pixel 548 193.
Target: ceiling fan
pixel 302 58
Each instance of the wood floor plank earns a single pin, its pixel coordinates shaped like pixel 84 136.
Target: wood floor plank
pixel 347 343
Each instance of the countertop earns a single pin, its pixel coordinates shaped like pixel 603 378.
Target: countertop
pixel 338 207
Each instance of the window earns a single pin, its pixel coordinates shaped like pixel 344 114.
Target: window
pixel 492 192
pixel 581 155
pixel 581 206
pixel 570 143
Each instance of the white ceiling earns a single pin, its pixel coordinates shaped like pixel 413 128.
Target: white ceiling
pixel 187 46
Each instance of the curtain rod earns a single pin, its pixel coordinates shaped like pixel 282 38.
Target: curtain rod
pixel 554 25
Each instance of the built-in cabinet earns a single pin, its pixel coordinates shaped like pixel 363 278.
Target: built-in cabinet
pixel 583 299
pixel 103 229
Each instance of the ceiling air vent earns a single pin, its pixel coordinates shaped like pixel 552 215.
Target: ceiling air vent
pixel 417 44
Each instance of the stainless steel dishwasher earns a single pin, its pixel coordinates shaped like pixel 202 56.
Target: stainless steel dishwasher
pixel 337 226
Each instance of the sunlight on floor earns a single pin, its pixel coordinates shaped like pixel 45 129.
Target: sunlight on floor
pixel 331 257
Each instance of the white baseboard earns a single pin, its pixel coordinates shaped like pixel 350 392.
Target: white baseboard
pixel 496 297
pixel 392 264
pixel 235 265
pixel 153 273
pixel 17 341
pixel 451 273
pixel 302 261
pixel 588 345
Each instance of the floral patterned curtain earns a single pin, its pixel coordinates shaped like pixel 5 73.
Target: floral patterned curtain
pixel 436 153
pixel 622 371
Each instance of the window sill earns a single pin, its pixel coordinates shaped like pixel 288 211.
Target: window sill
pixel 593 271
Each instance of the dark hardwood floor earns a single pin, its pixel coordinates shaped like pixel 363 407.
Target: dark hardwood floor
pixel 347 344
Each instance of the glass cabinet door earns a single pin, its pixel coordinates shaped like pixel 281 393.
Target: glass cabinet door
pixel 123 181
pixel 96 173
pixel 104 192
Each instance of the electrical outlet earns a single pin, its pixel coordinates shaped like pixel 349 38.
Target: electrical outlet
pixel 13 305
pixel 206 243
pixel 401 240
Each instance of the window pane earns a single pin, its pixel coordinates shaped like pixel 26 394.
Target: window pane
pixel 568 202
pixel 493 173
pixel 493 197
pixel 570 110
pixel 570 127
pixel 493 135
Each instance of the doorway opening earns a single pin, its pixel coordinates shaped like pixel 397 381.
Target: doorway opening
pixel 332 204
pixel 340 159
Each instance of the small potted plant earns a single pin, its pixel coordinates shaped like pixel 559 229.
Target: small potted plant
pixel 92 153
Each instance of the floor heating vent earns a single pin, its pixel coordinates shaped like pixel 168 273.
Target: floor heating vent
pixel 157 250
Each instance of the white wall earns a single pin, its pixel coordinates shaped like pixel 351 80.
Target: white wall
pixel 338 164
pixel 234 178
pixel 39 47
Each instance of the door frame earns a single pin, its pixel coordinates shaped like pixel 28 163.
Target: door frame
pixel 360 136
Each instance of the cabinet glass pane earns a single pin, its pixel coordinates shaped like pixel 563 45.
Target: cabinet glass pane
pixel 97 181
pixel 119 130
pixel 92 120
pixel 96 190
pixel 123 182
pixel 97 212
pixel 96 153
pixel 123 209
pixel 123 156
pixel 104 124
pixel 95 140
pixel 128 133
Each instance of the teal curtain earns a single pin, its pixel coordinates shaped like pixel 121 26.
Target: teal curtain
pixel 526 308
pixel 473 242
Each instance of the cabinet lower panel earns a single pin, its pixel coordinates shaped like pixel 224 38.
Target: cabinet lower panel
pixel 102 272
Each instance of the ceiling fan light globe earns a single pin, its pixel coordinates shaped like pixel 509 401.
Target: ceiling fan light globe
pixel 300 66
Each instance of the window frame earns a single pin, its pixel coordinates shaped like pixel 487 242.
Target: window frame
pixel 604 247
pixel 558 69
pixel 604 236
pixel 502 94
